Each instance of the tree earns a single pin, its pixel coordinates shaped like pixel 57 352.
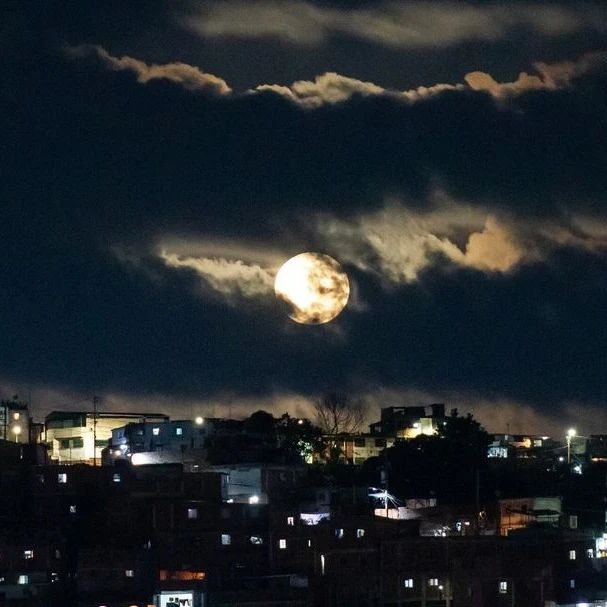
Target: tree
pixel 336 414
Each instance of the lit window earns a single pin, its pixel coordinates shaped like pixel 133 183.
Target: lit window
pixel 571 583
pixel 226 539
pixel 155 431
pixel 28 554
pixel 572 555
pixel 282 544
pixel 573 521
pixel 309 543
pixel 339 533
pixel 192 513
pixel 503 587
pixel 16 416
pixel 129 573
pixel 62 478
pixel 433 581
pixel 73 509
pixel 178 431
pixel 408 582
pixel 360 533
pixel 254 499
pixel 256 540
pixel 290 521
pixel 57 553
pixel 116 477
pixel 23 579
pixel 590 553
pixel 322 564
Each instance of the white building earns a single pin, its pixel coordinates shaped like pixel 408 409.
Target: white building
pixel 80 436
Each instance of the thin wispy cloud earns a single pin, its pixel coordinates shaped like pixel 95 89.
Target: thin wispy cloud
pixel 396 25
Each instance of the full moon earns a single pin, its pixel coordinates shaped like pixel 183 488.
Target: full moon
pixel 314 286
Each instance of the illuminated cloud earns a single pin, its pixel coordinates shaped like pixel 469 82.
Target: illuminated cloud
pixel 331 88
pixel 226 276
pixel 188 76
pixel 396 25
pixel 397 243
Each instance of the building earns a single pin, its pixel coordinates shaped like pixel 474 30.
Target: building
pixel 80 436
pixel 356 449
pixel 409 422
pixel 14 421
pixel 160 442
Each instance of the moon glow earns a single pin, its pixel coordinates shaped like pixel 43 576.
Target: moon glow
pixel 314 287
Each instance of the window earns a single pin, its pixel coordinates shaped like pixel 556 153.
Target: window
pixel 192 513
pixel 71 443
pixel 226 539
pixel 256 540
pixel 179 431
pixel 155 431
pixel 116 477
pixel 380 442
pixel 129 573
pixel 73 509
pixel 309 543
pixel 433 581
pixel 572 555
pixel 360 533
pixel 571 583
pixel 16 415
pixel 290 521
pixel 408 582
pixel 23 579
pixel 282 544
pixel 62 478
pixel 339 533
pixel 590 553
pixel 573 521
pixel 503 587
pixel 57 553
pixel 359 442
pixel 28 554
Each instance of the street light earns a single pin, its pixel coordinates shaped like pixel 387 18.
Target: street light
pixel 570 434
pixel 199 420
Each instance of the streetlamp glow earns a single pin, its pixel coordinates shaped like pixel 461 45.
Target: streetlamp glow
pixel 199 420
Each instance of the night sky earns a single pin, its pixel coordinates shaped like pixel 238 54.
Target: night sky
pixel 161 160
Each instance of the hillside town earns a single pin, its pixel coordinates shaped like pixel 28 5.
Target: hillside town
pixel 422 509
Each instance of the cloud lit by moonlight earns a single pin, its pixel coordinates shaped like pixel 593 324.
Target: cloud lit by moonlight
pixel 314 287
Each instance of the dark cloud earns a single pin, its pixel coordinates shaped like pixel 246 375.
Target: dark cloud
pixel 98 162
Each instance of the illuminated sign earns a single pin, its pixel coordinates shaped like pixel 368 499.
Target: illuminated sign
pixel 176 599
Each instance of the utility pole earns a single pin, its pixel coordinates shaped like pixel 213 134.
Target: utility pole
pixel 95 403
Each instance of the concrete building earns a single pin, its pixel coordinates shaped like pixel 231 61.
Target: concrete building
pixel 80 436
pixel 14 421
pixel 358 448
pixel 409 422
pixel 161 442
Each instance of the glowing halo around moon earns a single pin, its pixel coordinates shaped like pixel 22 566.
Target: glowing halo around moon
pixel 313 286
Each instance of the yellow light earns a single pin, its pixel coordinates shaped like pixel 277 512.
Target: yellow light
pixel 571 432
pixel 199 420
pixel 314 287
pixel 17 430
pixel 16 416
